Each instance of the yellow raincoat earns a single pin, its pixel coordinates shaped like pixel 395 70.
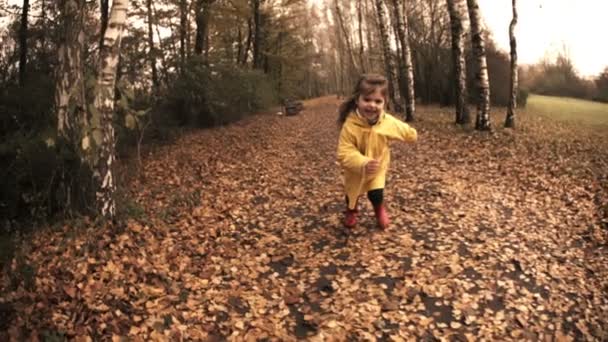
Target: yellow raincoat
pixel 360 142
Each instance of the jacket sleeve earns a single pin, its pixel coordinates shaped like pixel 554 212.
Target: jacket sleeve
pixel 400 130
pixel 349 156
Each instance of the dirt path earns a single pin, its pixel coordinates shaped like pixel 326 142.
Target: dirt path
pixel 241 239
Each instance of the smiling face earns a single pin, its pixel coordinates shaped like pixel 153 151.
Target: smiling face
pixel 371 105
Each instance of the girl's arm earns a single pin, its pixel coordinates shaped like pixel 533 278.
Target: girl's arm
pixel 349 156
pixel 399 130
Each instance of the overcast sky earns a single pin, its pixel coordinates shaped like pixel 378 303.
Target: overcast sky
pixel 545 27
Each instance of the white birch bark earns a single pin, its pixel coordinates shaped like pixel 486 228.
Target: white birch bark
pixel 104 103
pixel 481 74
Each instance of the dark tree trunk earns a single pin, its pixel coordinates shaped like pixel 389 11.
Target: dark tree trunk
pixel 257 37
pixel 202 25
pixel 104 8
pixel 23 32
pixel 152 50
pixel 183 25
pixel 510 120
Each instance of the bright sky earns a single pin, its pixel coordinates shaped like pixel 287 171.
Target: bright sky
pixel 546 27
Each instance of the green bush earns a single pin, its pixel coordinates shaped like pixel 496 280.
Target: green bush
pixel 40 177
pixel 522 97
pixel 28 107
pixel 215 95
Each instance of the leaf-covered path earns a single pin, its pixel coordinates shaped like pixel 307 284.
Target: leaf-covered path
pixel 496 236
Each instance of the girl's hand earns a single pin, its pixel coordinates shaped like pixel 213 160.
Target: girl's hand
pixel 372 166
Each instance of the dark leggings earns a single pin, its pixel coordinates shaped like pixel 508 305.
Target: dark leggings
pixel 375 196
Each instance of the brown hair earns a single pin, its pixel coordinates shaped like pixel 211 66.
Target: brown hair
pixel 367 84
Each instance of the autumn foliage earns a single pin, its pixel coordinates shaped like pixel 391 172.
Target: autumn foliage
pixel 235 234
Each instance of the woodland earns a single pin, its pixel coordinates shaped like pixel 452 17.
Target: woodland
pixel 152 187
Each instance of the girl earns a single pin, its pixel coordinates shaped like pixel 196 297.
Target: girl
pixel 363 150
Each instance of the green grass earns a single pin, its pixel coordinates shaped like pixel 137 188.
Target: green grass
pixel 569 109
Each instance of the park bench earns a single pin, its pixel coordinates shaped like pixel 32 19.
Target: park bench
pixel 292 107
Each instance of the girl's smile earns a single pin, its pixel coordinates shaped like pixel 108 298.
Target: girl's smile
pixel 371 105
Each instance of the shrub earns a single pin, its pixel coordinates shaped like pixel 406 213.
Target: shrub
pixel 40 177
pixel 216 95
pixel 522 97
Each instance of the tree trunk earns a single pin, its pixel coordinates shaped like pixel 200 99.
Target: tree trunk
pixel 482 122
pixel 458 56
pixel 69 89
pixel 257 37
pixel 103 175
pixel 164 65
pixel 406 58
pixel 248 43
pixel 152 50
pixel 349 48
pixel 104 8
pixel 202 25
pixel 388 60
pixel 23 31
pixel 510 120
pixel 361 47
pixel 183 18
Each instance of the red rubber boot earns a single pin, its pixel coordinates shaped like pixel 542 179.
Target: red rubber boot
pixel 382 216
pixel 350 218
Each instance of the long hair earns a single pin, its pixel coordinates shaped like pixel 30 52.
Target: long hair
pixel 367 84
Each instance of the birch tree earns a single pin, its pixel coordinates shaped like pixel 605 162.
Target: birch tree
pixel 482 83
pixel 388 60
pixel 406 61
pixel 458 57
pixel 103 175
pixel 152 49
pixel 510 120
pixel 69 88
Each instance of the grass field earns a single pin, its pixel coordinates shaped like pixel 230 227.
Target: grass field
pixel 569 109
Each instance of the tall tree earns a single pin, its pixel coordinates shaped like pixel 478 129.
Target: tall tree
pixel 152 49
pixel 388 59
pixel 257 35
pixel 407 93
pixel 103 174
pixel 183 31
pixel 458 57
pixel 23 32
pixel 345 38
pixel 104 7
pixel 361 45
pixel 482 82
pixel 510 120
pixel 69 89
pixel 202 25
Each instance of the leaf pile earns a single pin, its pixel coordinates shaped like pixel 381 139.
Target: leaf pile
pixel 500 236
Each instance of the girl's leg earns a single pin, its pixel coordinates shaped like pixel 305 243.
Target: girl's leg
pixel 376 196
pixel 350 216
